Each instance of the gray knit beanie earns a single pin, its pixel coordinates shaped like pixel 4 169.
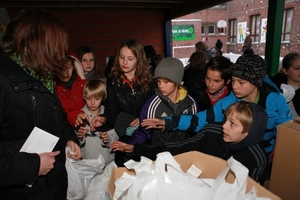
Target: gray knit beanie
pixel 251 68
pixel 171 68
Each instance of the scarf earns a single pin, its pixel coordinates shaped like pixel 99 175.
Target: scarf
pixel 130 83
pixel 47 80
pixel 213 98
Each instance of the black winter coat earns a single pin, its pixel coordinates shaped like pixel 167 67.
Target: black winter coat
pixel 24 104
pixel 121 98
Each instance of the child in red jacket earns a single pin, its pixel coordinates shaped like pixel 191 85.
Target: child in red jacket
pixel 69 88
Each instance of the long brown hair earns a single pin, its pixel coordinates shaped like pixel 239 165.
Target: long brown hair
pixel 142 72
pixel 39 39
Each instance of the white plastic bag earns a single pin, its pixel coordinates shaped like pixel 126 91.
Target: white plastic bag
pixel 80 174
pixel 75 188
pixel 98 186
pixel 227 191
pixel 164 180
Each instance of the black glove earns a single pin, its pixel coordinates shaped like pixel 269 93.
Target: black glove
pixel 147 151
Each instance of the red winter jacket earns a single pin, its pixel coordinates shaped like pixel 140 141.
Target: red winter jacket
pixel 71 100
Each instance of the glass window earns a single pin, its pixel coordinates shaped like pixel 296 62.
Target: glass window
pixel 255 27
pixel 211 29
pixel 232 30
pixel 221 31
pixel 287 24
pixel 203 30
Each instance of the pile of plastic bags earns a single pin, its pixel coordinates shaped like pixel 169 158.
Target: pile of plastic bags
pixel 165 180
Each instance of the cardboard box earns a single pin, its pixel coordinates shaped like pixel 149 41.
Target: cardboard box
pixel 211 167
pixel 285 176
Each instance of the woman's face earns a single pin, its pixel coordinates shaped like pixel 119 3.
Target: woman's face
pixel 66 74
pixel 128 62
pixel 88 62
pixel 293 73
pixel 213 81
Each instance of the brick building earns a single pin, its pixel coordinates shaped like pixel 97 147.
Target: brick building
pixel 249 15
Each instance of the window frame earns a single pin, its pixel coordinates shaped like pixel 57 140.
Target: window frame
pixel 232 30
pixel 202 30
pixel 285 33
pixel 255 27
pixel 214 27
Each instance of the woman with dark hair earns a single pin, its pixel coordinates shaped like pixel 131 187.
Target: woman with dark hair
pixel 33 51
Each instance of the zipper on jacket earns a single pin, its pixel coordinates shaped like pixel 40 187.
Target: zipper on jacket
pixel 133 93
pixel 34 107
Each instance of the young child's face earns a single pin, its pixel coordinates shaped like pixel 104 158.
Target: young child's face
pixel 242 88
pixel 293 73
pixel 166 87
pixel 213 81
pixel 127 60
pixel 233 130
pixel 66 74
pixel 88 62
pixel 93 103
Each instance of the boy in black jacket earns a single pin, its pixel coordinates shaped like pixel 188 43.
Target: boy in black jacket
pixel 240 137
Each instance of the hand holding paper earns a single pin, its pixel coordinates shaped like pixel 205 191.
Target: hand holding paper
pixel 41 142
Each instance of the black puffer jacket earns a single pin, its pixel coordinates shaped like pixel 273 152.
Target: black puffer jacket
pixel 121 98
pixel 25 103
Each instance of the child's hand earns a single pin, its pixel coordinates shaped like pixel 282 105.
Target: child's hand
pixel 104 137
pixel 121 146
pixel 80 118
pixel 135 122
pixel 153 123
pixel 81 132
pixel 97 122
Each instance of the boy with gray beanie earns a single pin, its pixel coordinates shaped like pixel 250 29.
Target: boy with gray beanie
pixel 249 83
pixel 170 99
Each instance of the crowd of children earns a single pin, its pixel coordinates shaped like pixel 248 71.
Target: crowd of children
pixel 213 106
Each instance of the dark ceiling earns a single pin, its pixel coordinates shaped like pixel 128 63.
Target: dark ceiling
pixel 172 8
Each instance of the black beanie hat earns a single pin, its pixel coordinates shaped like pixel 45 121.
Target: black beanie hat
pixel 250 67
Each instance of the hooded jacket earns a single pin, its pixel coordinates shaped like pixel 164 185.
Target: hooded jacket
pixel 249 151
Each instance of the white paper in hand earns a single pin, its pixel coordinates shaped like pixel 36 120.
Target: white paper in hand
pixel 39 141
